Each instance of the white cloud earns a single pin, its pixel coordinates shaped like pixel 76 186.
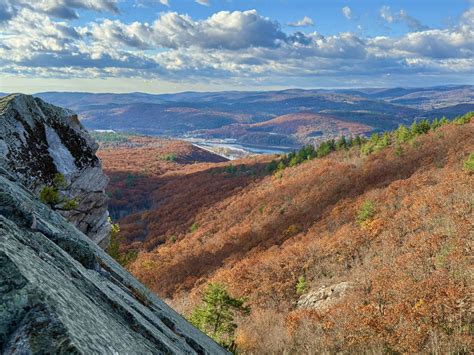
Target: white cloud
pixel 401 17
pixel 66 8
pixel 347 12
pixel 165 2
pixel 304 22
pixel 204 2
pixel 386 14
pixel 223 30
pixel 227 46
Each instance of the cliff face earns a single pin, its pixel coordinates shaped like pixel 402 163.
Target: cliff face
pixel 61 293
pixel 39 140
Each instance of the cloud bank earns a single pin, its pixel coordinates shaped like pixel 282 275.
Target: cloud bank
pixel 38 40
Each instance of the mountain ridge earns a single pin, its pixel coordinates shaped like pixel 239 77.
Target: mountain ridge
pixel 199 114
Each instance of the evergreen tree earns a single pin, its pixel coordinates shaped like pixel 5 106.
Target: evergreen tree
pixel 341 143
pixel 402 134
pixel 435 123
pixel 272 166
pixel 325 148
pixel 215 316
pixel 358 141
pixel 443 121
pixel 281 165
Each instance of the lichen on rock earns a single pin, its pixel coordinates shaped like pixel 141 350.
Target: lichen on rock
pixel 61 293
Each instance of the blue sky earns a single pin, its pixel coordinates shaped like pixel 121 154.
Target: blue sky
pixel 207 45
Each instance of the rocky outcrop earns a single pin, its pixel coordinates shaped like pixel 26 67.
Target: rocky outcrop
pixel 39 140
pixel 324 297
pixel 61 293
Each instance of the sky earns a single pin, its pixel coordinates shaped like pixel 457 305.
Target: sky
pixel 162 46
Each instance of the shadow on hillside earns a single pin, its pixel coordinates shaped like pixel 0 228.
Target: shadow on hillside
pixel 173 202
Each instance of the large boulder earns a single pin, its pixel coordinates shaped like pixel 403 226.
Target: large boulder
pixel 38 141
pixel 61 293
pixel 325 297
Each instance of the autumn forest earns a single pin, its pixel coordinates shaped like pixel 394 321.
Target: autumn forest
pixel 361 244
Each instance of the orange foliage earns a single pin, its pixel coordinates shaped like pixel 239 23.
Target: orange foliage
pixel 258 234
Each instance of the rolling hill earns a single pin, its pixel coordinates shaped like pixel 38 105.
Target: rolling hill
pixel 230 115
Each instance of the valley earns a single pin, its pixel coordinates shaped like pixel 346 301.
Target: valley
pixel 348 244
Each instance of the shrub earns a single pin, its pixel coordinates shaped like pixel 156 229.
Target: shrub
pixel 342 143
pixel 69 204
pixel 170 157
pixel 128 257
pixel 230 169
pixel 59 181
pixel 294 161
pixel 50 196
pixel 398 150
pixel 358 141
pixel 367 148
pixel 114 246
pixel 402 134
pixel 123 258
pixel 469 164
pixel 281 166
pixel 420 128
pixel 301 285
pixel 194 227
pixel 291 230
pixel 325 148
pixel 366 212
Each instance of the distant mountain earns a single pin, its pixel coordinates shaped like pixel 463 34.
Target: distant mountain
pixel 292 129
pixel 232 114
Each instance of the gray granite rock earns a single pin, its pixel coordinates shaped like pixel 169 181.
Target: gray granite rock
pixel 38 140
pixel 325 297
pixel 61 293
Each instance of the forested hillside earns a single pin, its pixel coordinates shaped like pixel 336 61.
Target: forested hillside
pixel 137 165
pixel 359 245
pixel 266 118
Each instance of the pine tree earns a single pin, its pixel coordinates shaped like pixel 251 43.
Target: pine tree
pixel 215 316
pixel 341 143
pixel 402 134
